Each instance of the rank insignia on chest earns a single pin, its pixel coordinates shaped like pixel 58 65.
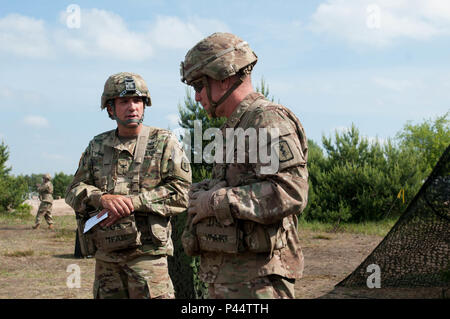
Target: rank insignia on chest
pixel 122 166
pixel 285 152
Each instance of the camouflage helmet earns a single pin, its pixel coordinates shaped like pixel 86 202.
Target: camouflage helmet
pixel 125 84
pixel 218 56
pixel 47 176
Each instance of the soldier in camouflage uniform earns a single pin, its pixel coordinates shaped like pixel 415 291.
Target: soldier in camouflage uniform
pixel 46 197
pixel 140 176
pixel 243 223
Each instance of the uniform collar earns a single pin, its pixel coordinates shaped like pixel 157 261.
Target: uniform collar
pixel 112 140
pixel 242 107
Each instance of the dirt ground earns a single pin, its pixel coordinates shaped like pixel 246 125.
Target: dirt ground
pixel 39 263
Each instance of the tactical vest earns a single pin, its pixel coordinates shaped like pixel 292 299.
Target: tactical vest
pixel 115 172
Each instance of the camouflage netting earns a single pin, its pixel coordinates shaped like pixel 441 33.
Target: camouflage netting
pixel 415 253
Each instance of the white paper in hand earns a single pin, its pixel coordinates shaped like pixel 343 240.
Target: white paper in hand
pixel 94 220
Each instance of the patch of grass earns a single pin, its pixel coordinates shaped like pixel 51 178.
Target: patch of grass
pixel 19 253
pixel 45 253
pixel 65 222
pixel 5 273
pixel 65 234
pixel 379 228
pixel 322 237
pixel 65 227
pixel 315 226
pixel 18 216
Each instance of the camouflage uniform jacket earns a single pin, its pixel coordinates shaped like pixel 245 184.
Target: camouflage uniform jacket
pixel 271 199
pixel 45 192
pixel 159 192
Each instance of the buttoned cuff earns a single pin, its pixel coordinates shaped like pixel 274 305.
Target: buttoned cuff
pixel 221 206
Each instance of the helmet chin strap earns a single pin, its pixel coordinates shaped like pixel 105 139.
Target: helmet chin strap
pixel 215 105
pixel 128 122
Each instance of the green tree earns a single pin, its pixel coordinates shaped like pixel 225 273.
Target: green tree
pixel 60 183
pixel 13 192
pixel 357 180
pixel 429 139
pixel 263 88
pixel 12 189
pixel 32 181
pixel 4 155
pixel 190 112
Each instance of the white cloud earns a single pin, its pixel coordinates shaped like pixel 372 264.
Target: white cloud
pixel 36 121
pixel 171 32
pixel 24 36
pixel 379 23
pixel 438 10
pixel 103 34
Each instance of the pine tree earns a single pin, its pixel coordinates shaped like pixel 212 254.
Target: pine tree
pixel 12 189
pixel 4 156
pixel 60 183
pixel 190 112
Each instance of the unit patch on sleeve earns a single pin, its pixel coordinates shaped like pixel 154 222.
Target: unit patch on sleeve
pixel 185 165
pixel 285 152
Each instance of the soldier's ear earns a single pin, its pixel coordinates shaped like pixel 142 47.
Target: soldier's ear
pixel 109 110
pixel 225 84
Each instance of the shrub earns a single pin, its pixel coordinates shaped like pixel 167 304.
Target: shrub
pixel 13 191
pixel 359 181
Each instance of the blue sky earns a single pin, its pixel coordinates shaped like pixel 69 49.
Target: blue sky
pixel 377 64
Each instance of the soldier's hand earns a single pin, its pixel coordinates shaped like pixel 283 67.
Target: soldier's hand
pixel 199 206
pixel 117 206
pixel 199 203
pixel 110 220
pixel 195 187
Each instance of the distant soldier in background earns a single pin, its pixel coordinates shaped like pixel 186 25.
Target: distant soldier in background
pixel 46 197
